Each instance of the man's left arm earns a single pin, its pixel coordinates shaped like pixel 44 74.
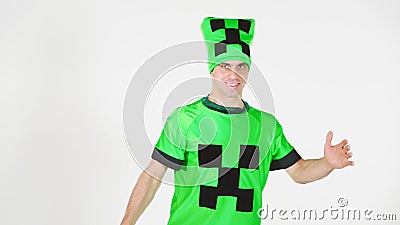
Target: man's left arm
pixel 335 157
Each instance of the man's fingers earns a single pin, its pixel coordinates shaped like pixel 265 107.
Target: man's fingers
pixel 350 163
pixel 346 148
pixel 349 155
pixel 343 143
pixel 329 137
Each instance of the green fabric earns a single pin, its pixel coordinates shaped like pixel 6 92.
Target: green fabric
pixel 195 124
pixel 234 44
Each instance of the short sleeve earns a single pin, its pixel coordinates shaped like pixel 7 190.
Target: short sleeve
pixel 170 147
pixel 284 154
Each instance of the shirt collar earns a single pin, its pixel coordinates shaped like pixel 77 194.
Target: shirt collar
pixel 227 110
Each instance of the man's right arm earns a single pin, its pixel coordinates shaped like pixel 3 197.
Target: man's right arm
pixel 147 185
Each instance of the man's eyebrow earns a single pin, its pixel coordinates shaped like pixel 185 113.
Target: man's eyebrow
pixel 242 64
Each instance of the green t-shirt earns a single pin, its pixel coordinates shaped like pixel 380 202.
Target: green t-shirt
pixel 221 157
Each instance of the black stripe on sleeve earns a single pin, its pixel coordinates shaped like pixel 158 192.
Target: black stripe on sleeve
pixel 291 158
pixel 166 159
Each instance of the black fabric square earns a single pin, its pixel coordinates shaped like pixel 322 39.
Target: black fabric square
pixel 232 36
pixel 217 24
pixel 244 201
pixel 249 156
pixel 208 197
pixel 246 49
pixel 220 48
pixel 244 25
pixel 228 181
pixel 210 156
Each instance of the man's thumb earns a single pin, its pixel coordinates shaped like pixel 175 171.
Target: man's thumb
pixel 329 137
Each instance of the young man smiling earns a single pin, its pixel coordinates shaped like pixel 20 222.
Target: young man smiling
pixel 220 148
pixel 229 80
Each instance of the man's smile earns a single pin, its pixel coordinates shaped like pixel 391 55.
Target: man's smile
pixel 232 85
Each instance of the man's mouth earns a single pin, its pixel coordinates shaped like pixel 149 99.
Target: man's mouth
pixel 233 86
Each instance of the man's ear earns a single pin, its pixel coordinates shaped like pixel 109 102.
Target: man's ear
pixel 212 73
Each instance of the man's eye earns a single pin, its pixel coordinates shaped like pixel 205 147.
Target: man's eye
pixel 225 66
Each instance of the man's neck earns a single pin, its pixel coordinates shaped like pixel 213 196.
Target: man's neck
pixel 226 101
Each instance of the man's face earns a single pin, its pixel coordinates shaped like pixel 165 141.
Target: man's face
pixel 230 77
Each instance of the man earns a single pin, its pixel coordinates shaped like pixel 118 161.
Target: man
pixel 221 148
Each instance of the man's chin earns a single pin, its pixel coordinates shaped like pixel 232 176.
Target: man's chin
pixel 233 93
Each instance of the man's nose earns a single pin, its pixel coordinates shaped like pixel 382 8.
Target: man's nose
pixel 232 73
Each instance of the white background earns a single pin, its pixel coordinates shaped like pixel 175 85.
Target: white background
pixel 65 67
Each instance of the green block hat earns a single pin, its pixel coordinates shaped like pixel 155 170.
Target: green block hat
pixel 227 39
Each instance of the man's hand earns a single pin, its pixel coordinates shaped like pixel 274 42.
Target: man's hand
pixel 338 155
pixel 335 157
